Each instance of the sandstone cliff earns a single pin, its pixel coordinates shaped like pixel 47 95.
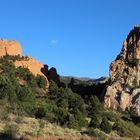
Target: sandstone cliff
pixel 124 89
pixel 33 65
pixel 13 48
pixel 10 48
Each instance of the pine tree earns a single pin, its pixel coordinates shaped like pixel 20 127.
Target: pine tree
pixel 105 125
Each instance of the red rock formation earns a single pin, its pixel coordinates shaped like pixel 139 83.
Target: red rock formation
pixel 51 74
pixel 10 48
pixel 2 47
pixel 13 48
pixel 33 65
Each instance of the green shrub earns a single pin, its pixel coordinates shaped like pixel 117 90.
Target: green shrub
pixel 72 122
pixel 24 73
pixel 61 116
pixel 126 128
pixel 76 103
pixel 95 106
pixel 105 126
pixel 81 119
pixel 119 128
pixel 40 113
pixel 7 89
pixel 92 132
pixel 41 81
pixel 46 110
pixel 110 115
pixel 68 103
pixel 26 100
pixel 94 123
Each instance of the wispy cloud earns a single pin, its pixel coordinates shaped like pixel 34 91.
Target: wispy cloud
pixel 54 41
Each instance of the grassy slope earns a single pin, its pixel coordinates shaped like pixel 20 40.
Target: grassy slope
pixel 27 127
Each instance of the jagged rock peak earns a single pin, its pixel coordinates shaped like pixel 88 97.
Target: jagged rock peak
pixel 131 46
pixel 125 75
pixel 10 48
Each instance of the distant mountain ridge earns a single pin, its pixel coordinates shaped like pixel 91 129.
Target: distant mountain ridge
pixel 88 80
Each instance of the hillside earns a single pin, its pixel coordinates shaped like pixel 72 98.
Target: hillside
pixel 36 102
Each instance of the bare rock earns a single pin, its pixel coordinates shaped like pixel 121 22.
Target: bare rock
pixel 10 48
pixel 13 48
pixel 2 47
pixel 51 74
pixel 125 75
pixel 136 100
pixel 33 65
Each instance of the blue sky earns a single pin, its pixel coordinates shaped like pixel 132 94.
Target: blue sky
pixel 78 37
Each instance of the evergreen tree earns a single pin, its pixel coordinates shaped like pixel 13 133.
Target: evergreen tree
pixel 105 125
pixel 94 123
pixel 95 107
pixel 72 123
pixel 41 81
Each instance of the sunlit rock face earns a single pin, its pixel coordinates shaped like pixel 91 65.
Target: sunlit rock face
pixel 33 65
pixel 124 89
pixel 10 48
pixel 13 48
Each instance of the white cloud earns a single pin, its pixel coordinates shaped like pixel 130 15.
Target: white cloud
pixel 54 41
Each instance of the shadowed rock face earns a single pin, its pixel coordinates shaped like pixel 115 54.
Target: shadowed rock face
pixel 123 91
pixel 51 74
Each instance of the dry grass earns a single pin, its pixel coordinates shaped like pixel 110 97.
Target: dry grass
pixel 60 138
pixel 34 129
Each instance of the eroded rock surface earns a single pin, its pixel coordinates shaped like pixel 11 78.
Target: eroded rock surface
pixel 13 48
pixel 33 65
pixel 124 89
pixel 10 48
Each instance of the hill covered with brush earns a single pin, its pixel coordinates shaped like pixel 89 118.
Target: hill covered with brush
pixel 37 102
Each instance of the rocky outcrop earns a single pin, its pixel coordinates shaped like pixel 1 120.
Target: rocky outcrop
pixel 33 65
pixel 124 88
pixel 13 48
pixel 10 48
pixel 51 74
